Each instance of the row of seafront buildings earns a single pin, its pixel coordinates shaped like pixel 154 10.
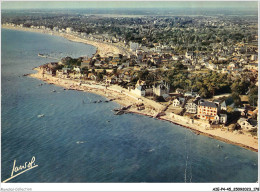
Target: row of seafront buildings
pixel 141 89
pixel 215 112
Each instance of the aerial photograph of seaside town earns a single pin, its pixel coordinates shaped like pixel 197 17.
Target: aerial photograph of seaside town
pixel 129 92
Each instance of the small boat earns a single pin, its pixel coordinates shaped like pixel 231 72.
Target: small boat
pixel 53 90
pixel 80 142
pixel 41 115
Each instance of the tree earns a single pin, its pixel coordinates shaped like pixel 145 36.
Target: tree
pixel 253 96
pixel 230 109
pixel 100 76
pixel 235 127
pixel 236 99
pixel 142 75
pixel 240 86
pixel 203 92
pixel 179 66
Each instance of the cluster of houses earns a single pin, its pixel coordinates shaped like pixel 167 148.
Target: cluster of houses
pixel 214 112
pixel 244 57
pixel 161 57
pixel 247 123
pixel 232 59
pixel 109 62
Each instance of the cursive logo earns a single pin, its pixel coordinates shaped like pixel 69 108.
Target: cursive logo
pixel 21 168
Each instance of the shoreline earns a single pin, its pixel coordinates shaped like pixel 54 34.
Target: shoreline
pixel 103 48
pixel 125 98
pixel 195 131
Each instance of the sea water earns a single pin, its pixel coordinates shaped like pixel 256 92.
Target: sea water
pixel 80 141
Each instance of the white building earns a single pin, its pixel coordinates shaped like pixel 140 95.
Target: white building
pixel 68 29
pixel 191 107
pixel 55 29
pixel 189 55
pixel 161 89
pixel 212 66
pixel 191 94
pixel 178 102
pixel 175 57
pixel 223 106
pixel 134 46
pixel 247 124
pixel 253 57
pixel 76 69
pixel 223 118
pixel 140 91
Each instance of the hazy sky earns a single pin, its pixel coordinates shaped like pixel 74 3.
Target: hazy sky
pixel 126 4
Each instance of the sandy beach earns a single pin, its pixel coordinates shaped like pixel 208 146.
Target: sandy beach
pixel 103 48
pixel 151 108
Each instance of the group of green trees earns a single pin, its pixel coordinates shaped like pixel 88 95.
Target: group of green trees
pixel 70 62
pixel 253 95
pixel 206 84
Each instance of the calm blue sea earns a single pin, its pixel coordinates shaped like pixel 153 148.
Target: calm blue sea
pixel 76 142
